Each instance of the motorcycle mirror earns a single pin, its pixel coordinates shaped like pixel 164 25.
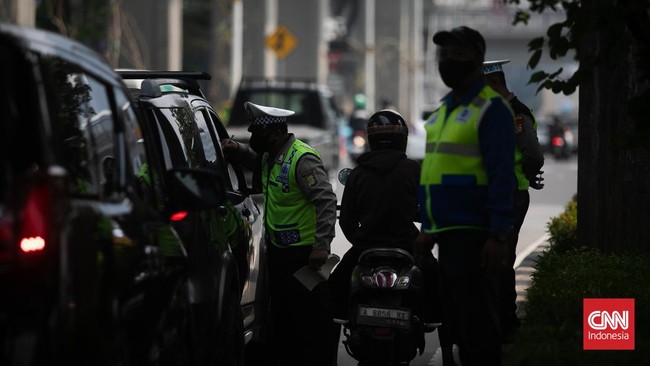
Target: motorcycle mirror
pixel 343 175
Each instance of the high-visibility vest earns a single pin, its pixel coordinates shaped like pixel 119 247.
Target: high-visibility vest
pixel 289 218
pixel 453 164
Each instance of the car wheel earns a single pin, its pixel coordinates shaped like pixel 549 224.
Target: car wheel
pixel 230 342
pixel 171 343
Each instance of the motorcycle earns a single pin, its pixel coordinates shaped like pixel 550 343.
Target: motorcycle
pixel 386 303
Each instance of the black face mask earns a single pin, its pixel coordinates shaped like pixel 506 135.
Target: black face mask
pixel 454 73
pixel 259 143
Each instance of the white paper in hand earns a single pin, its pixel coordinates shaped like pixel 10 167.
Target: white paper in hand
pixel 310 278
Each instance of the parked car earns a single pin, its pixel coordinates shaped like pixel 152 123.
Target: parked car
pixel 90 272
pixel 316 120
pixel 225 243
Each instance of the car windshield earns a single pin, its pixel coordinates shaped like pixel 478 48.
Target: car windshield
pixel 305 103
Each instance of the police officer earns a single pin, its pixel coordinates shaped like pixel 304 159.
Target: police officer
pixel 299 218
pixel 529 159
pixel 465 195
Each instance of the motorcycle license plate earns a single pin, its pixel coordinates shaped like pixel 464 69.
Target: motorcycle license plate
pixel 395 318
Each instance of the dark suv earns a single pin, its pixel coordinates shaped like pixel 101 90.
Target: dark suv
pixel 90 271
pixel 183 131
pixel 317 117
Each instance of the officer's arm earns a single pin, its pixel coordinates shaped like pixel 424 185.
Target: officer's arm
pixel 314 183
pixel 497 143
pixel 241 153
pixel 533 157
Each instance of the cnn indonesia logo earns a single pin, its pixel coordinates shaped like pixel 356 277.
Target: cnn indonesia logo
pixel 608 324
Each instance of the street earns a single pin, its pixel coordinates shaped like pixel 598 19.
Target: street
pixel 561 182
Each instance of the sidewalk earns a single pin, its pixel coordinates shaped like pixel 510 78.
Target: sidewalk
pixel 524 268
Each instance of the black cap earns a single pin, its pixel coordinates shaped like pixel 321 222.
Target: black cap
pixel 464 35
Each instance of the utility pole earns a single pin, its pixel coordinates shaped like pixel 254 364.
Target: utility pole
pixel 175 41
pixel 23 12
pixel 370 55
pixel 237 45
pixel 271 16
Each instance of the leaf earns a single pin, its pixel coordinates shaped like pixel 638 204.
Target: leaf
pixel 537 77
pixel 536 43
pixel 534 59
pixel 555 30
pixel 521 16
pixel 555 74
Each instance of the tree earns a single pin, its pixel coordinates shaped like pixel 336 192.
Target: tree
pixel 611 42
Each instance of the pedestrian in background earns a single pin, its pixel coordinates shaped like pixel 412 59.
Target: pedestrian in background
pixel 529 159
pixel 465 196
pixel 299 218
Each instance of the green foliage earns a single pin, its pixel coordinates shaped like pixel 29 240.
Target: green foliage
pixel 563 229
pixel 551 333
pixel 616 22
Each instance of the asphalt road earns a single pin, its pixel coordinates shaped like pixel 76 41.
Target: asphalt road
pixel 561 183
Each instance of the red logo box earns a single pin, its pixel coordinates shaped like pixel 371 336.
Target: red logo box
pixel 608 324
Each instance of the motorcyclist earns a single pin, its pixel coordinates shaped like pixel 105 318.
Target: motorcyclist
pixel 379 203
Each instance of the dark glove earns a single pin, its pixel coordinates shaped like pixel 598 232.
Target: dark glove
pixel 535 182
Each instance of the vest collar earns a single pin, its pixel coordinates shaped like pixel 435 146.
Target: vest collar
pixel 467 98
pixel 279 158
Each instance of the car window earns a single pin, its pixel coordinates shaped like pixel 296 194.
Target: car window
pixel 179 128
pixel 136 155
pixel 222 134
pixel 210 142
pixel 82 121
pixel 306 104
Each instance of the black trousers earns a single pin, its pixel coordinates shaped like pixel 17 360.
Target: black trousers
pixel 507 282
pixel 301 321
pixel 469 296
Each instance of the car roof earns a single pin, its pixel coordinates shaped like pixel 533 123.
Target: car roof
pixel 49 43
pixel 154 84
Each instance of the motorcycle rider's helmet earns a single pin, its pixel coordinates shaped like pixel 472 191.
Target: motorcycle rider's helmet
pixel 387 130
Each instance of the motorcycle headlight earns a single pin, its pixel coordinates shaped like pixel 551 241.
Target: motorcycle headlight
pixel 359 141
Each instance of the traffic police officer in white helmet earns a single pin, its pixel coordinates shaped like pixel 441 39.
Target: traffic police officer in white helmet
pixel 299 218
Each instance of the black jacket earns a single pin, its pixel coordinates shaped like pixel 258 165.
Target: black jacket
pixel 379 203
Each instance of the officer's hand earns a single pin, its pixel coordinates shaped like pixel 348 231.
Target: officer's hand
pixel 229 146
pixel 423 245
pixel 535 182
pixel 317 258
pixel 495 255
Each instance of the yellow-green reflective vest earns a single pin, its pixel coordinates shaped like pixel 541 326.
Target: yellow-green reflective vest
pixel 290 219
pixel 453 159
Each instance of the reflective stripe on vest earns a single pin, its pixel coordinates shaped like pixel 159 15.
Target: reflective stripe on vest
pixel 453 156
pixel 290 219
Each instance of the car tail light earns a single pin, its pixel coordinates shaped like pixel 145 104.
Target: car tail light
pixel 34 219
pixel 178 216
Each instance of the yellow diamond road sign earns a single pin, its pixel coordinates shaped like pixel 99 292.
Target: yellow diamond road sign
pixel 282 42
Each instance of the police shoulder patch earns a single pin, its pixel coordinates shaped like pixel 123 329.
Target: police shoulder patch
pixel 519 124
pixel 309 178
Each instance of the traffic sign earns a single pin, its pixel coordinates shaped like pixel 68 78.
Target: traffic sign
pixel 282 42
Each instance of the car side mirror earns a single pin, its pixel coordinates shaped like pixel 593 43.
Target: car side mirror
pixel 195 189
